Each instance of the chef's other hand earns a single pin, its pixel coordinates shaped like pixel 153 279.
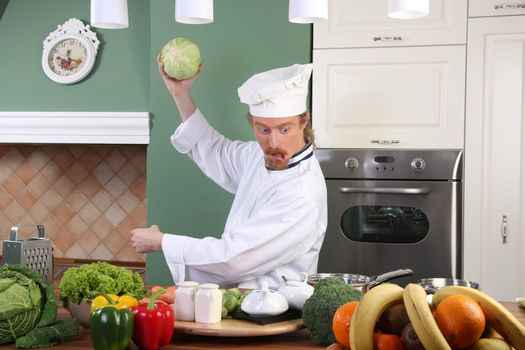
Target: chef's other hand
pixel 176 87
pixel 146 240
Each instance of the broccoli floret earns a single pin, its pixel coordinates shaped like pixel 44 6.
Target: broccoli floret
pixel 329 281
pixel 318 310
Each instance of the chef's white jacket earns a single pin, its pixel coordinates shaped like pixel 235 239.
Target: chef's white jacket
pixel 277 221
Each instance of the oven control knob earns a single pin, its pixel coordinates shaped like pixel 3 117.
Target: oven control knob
pixel 352 163
pixel 418 164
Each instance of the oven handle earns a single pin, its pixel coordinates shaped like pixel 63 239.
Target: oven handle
pixel 383 190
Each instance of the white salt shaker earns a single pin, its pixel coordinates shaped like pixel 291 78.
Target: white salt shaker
pixel 185 301
pixel 208 303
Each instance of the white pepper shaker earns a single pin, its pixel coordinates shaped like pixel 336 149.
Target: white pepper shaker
pixel 208 303
pixel 185 301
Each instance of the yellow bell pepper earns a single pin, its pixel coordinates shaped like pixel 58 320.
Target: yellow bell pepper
pixel 124 301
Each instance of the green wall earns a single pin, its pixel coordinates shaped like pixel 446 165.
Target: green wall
pixel 246 37
pixel 118 82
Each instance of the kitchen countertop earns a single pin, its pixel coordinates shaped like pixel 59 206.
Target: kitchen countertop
pixel 293 341
pixel 296 340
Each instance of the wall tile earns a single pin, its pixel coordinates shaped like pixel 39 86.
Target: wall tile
pixel 5 198
pixel 51 172
pixel 102 200
pixel 12 158
pixel 77 252
pixel 64 159
pixel 115 214
pixel 64 186
pixel 26 198
pixel 14 211
pixel 103 173
pixel 76 199
pixel 26 172
pixel 128 201
pixel 88 197
pixel 102 227
pixel 39 185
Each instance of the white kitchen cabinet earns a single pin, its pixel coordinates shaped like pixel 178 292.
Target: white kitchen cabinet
pixel 495 156
pixel 411 97
pixel 483 8
pixel 364 23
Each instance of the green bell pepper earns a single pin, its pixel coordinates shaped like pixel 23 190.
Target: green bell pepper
pixel 111 328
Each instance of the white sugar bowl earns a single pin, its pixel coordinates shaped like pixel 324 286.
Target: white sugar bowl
pixel 296 292
pixel 264 302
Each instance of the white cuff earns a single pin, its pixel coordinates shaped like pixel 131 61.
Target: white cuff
pixel 189 132
pixel 173 249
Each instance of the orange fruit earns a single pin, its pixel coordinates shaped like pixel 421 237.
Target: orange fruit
pixel 461 320
pixel 383 341
pixel 341 323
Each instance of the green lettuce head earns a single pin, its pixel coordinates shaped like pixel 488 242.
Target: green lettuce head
pixel 26 302
pixel 85 282
pixel 181 58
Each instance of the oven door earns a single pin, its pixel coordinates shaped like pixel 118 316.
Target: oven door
pixel 377 226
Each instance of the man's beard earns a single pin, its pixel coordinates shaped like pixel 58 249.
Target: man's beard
pixel 272 162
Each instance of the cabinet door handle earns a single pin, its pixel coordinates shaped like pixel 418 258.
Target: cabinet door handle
pixel 385 142
pixel 387 38
pixel 504 229
pixel 509 6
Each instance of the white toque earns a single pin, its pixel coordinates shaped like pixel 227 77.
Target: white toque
pixel 279 92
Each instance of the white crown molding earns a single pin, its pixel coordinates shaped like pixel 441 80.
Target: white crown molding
pixel 75 127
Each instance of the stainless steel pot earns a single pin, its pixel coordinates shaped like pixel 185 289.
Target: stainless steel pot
pixel 361 282
pixel 431 285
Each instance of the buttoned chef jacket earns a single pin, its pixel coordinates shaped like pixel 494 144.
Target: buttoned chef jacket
pixel 277 221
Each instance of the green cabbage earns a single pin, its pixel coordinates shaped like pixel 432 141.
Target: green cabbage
pixel 26 302
pixel 181 58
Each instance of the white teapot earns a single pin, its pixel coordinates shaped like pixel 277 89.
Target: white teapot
pixel 264 302
pixel 296 292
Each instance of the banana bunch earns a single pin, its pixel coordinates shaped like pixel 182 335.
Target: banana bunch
pixel 420 313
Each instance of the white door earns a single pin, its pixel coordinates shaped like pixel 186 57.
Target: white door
pixel 410 97
pixel 495 156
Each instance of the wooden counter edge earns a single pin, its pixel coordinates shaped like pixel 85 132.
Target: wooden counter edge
pixel 290 341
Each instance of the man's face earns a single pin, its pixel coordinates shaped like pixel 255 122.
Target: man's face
pixel 279 138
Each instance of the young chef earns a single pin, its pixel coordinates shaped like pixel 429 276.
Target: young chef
pixel 278 218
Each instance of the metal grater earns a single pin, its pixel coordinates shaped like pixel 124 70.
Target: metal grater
pixel 35 252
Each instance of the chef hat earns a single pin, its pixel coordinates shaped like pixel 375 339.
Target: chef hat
pixel 278 92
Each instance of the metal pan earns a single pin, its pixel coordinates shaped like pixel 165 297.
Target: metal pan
pixel 431 285
pixel 361 282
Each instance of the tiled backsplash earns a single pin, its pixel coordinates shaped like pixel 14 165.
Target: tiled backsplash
pixel 88 197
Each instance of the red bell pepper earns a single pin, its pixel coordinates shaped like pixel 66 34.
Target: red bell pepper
pixel 153 323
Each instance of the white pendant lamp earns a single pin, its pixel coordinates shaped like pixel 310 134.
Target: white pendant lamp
pixel 194 11
pixel 109 14
pixel 408 9
pixel 307 11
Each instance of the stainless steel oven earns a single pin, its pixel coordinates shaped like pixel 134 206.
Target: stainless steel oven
pixel 390 209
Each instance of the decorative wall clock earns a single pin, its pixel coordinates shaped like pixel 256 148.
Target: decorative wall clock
pixel 70 52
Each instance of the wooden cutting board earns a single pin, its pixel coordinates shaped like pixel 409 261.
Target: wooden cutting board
pixel 238 328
